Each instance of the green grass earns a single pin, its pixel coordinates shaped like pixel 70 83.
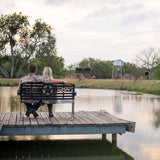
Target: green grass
pixel 9 82
pixel 144 86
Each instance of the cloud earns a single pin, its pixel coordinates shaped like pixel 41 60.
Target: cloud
pixel 106 29
pixel 55 2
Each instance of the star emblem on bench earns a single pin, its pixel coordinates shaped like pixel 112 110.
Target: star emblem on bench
pixel 48 89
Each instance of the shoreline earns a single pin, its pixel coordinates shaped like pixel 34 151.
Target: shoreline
pixel 143 86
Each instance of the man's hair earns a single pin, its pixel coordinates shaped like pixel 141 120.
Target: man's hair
pixel 32 68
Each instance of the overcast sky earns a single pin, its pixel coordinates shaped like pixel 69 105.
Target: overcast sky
pixel 104 29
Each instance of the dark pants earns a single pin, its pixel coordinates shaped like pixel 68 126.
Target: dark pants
pixel 30 107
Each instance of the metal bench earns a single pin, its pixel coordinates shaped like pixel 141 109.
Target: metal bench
pixel 31 92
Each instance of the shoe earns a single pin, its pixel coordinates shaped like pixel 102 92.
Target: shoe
pixel 27 114
pixel 50 115
pixel 35 114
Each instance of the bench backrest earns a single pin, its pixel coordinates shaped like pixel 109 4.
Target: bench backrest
pixel 33 91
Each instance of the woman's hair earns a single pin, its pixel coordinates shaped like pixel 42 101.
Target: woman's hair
pixel 47 73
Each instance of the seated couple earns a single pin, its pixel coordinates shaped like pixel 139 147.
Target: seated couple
pixel 46 78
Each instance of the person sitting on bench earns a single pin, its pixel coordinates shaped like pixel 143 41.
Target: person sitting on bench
pixel 32 77
pixel 47 73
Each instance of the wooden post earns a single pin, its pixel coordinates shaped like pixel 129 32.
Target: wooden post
pixel 20 111
pixel 114 138
pixel 73 110
pixel 1 126
pixel 104 136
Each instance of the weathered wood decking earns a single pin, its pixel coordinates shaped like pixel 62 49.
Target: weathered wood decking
pixel 90 122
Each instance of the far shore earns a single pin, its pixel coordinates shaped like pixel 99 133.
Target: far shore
pixel 144 86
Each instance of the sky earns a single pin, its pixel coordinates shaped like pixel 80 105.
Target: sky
pixel 103 29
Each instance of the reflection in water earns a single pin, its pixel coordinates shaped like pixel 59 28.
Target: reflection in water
pixel 156 118
pixel 144 109
pixel 67 150
pixel 118 104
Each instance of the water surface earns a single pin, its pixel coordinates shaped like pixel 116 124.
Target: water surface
pixel 144 109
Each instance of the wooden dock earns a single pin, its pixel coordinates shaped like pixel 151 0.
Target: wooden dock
pixel 90 122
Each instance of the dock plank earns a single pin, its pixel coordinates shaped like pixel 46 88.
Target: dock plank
pixel 89 120
pixel 26 120
pixel 59 119
pixel 20 118
pixel 106 118
pixel 112 118
pixel 69 116
pixel 33 121
pixel 53 119
pixel 45 118
pixel 40 120
pixel 47 115
pixel 13 119
pixel 97 119
pixel 2 114
pixel 6 118
pixel 79 117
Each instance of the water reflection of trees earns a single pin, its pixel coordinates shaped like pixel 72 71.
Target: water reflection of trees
pixel 156 121
pixel 62 149
pixel 118 104
pixel 10 104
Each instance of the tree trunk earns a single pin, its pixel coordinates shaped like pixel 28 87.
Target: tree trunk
pixel 20 69
pixel 12 54
pixel 4 72
pixel 23 65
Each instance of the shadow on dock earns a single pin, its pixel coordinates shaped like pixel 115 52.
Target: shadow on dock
pixel 62 150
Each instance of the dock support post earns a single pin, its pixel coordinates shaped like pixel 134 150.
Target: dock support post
pixel 114 138
pixel 104 137
pixel 20 110
pixel 1 126
pixel 72 110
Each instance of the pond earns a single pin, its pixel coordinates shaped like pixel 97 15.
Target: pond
pixel 144 144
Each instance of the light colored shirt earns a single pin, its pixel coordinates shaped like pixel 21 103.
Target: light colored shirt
pixel 33 78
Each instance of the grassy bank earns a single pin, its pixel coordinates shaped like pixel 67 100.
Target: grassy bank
pixel 145 86
pixel 9 82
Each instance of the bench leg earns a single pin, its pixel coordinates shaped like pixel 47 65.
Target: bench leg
pixel 20 111
pixel 73 111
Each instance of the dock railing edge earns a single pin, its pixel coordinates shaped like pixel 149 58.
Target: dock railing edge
pixel 130 126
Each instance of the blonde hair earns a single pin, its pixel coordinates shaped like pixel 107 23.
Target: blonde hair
pixel 47 73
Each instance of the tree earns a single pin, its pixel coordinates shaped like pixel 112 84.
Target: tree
pixel 133 70
pixel 54 62
pixel 24 44
pixel 101 69
pixel 148 58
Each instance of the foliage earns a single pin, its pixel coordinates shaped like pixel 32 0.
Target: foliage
pixel 133 70
pixel 103 69
pixel 156 72
pixel 22 43
pixel 100 69
pixel 54 62
pixel 148 58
